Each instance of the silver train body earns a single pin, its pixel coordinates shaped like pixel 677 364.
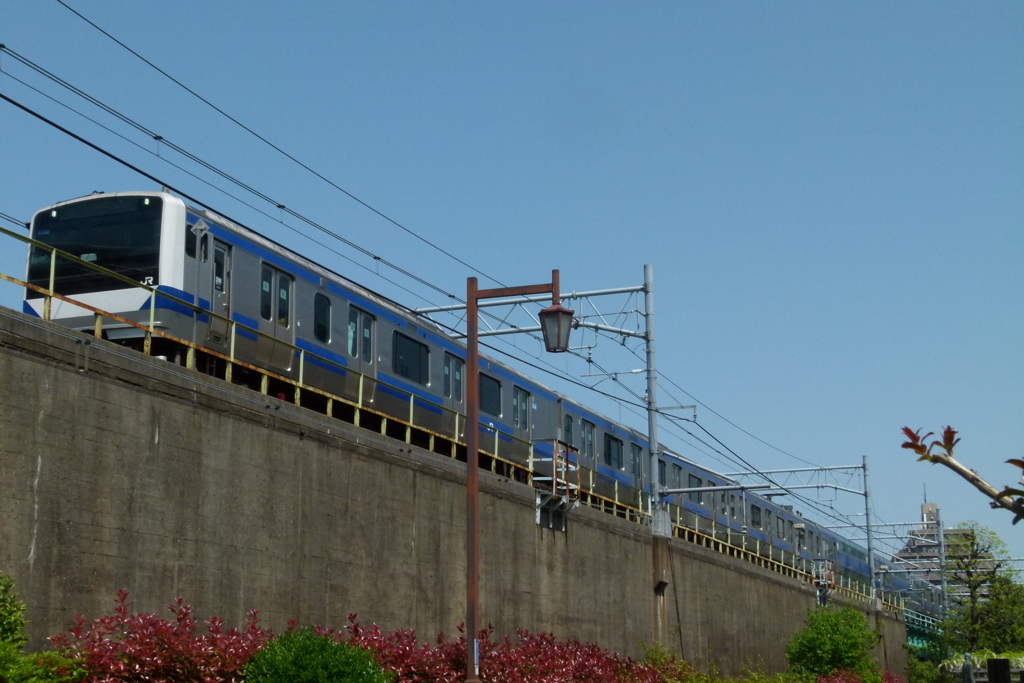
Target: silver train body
pixel 360 345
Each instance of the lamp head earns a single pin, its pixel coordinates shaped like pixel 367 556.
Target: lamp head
pixel 556 324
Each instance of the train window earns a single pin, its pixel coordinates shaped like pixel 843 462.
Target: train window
pixel 732 505
pixel 190 241
pixel 695 483
pixel 360 334
pixel 410 359
pixel 220 258
pixel 284 299
pixel 204 248
pixel 724 509
pixel 612 452
pixel 267 293
pixel 367 342
pixel 780 527
pixel 790 535
pixel 453 377
pixel 801 539
pixel 677 477
pixel 636 453
pixel 119 233
pixel 322 318
pixel 587 430
pixel 662 476
pixel 755 516
pixel 490 395
pixel 567 429
pixel 520 408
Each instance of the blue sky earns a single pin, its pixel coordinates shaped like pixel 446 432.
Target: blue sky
pixel 831 194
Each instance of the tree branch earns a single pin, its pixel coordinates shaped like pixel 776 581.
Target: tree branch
pixel 941 452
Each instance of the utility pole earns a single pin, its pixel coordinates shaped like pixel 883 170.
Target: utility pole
pixel 867 517
pixel 660 523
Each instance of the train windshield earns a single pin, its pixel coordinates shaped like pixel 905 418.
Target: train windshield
pixel 121 234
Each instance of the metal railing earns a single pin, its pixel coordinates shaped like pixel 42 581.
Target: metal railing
pixel 623 500
pixel 490 447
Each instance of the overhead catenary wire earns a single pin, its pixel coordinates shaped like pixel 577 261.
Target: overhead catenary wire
pixel 267 198
pixel 146 131
pixel 149 133
pixel 12 219
pixel 134 124
pixel 212 168
pixel 214 187
pixel 317 174
pixel 379 259
pixel 159 181
pixel 188 196
pixel 276 148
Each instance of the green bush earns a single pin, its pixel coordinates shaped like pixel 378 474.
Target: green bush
pixel 921 670
pixel 833 640
pixel 39 667
pixel 305 657
pixel 16 667
pixel 12 613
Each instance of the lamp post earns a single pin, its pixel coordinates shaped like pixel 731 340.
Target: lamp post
pixel 556 323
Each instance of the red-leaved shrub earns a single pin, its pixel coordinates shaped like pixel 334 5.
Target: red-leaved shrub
pixel 844 676
pixel 529 658
pixel 840 676
pixel 136 648
pixel 125 647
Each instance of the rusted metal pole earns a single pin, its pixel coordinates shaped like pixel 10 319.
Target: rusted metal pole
pixel 473 295
pixel 472 484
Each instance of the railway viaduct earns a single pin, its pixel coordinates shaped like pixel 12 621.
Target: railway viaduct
pixel 118 470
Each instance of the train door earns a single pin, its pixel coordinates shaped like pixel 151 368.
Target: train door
pixel 453 382
pixel 522 404
pixel 220 300
pixel 197 246
pixel 362 354
pixel 277 313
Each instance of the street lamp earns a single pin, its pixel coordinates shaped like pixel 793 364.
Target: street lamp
pixel 556 323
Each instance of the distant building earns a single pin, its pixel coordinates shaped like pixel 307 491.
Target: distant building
pixel 920 554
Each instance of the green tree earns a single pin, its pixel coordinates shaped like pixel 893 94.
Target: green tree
pixel 987 610
pixel 831 640
pixel 1003 616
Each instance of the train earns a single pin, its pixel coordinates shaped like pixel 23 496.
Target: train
pixel 270 308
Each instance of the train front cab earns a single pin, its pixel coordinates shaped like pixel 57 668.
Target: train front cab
pixel 139 235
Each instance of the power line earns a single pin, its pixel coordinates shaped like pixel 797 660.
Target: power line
pixel 295 214
pixel 12 219
pixel 211 167
pixel 209 184
pixel 207 206
pixel 733 424
pixel 196 159
pixel 278 149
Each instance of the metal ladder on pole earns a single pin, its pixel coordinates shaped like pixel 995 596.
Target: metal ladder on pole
pixel 557 479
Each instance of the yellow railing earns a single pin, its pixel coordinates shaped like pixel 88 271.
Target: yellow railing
pixel 625 501
pixel 492 450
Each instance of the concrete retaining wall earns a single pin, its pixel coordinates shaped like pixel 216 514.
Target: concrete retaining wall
pixel 121 471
